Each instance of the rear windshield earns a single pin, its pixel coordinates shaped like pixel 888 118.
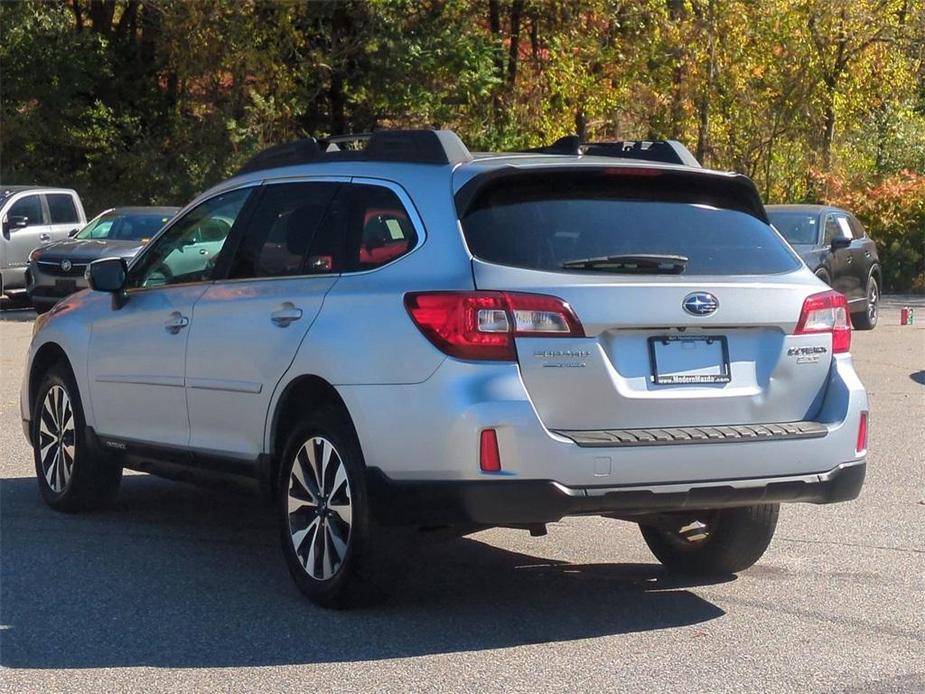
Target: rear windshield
pixel 541 222
pixel 799 228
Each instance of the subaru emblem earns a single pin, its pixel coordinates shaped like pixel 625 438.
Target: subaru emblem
pixel 65 265
pixel 700 304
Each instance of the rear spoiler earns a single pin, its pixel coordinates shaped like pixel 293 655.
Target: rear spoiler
pixel 682 184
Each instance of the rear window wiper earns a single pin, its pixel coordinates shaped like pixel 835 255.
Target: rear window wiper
pixel 642 263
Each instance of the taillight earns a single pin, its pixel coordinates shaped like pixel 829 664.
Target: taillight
pixel 826 312
pixel 862 434
pixel 482 325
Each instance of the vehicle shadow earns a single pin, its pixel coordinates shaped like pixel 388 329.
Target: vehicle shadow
pixel 177 576
pixel 918 377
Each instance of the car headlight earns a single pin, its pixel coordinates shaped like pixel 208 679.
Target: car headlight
pixel 35 255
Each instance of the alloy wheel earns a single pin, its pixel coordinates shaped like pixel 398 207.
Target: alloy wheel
pixel 319 508
pixel 873 297
pixel 57 439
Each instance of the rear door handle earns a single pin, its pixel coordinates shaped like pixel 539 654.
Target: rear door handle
pixel 176 323
pixel 44 237
pixel 285 315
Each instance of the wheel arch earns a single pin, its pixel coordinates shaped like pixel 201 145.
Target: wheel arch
pixel 297 398
pixel 47 355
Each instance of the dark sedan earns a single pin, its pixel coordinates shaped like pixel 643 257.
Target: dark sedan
pixel 57 270
pixel 834 244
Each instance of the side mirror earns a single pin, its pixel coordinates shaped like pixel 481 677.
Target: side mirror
pixel 840 242
pixel 107 275
pixel 73 232
pixel 11 222
pixel 18 221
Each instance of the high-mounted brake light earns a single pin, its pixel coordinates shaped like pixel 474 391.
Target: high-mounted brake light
pixel 482 325
pixel 826 312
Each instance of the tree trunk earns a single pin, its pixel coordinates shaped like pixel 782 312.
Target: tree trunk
pixel 513 53
pixel 703 111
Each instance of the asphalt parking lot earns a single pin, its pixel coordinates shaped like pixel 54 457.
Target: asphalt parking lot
pixel 183 589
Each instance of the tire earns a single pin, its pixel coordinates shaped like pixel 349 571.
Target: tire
pixel 41 308
pixel 735 539
pixel 72 475
pixel 324 512
pixel 867 319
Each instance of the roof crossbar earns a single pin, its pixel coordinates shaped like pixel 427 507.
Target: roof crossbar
pixel 664 151
pixel 439 147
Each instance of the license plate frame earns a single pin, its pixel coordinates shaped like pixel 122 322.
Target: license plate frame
pixel 723 375
pixel 66 286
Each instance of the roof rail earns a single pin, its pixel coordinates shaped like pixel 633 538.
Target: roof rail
pixel 664 151
pixel 440 147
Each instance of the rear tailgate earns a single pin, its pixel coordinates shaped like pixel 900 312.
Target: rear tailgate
pixel 605 380
pixel 645 361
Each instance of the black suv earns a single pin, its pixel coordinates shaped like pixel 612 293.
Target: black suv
pixel 833 243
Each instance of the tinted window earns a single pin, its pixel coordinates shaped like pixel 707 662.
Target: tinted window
pixel 799 228
pixel 127 227
pixel 857 229
pixel 62 208
pixel 281 229
pixel 29 206
pixel 836 225
pixel 542 222
pixel 366 228
pixel 187 252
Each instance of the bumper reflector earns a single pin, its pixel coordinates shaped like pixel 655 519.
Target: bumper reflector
pixel 489 457
pixel 862 434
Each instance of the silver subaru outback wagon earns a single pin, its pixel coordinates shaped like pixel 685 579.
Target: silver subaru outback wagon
pixel 390 330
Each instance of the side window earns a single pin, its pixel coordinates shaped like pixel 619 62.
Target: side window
pixel 62 208
pixel 29 207
pixel 376 228
pixel 844 229
pixel 857 229
pixel 188 251
pixel 831 229
pixel 281 229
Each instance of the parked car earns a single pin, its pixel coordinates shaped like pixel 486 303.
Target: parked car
pixel 57 270
pixel 31 217
pixel 835 246
pixel 411 334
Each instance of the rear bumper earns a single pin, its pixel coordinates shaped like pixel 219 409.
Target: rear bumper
pixel 518 502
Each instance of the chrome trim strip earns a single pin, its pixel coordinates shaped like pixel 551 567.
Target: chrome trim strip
pixel 142 380
pixel 222 384
pixel 690 435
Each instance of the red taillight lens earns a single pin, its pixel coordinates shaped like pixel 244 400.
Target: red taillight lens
pixel 862 434
pixel 489 456
pixel 483 325
pixel 826 312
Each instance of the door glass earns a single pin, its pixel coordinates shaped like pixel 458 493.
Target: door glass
pixel 831 230
pixel 281 229
pixel 844 229
pixel 188 251
pixel 62 208
pixel 857 229
pixel 30 207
